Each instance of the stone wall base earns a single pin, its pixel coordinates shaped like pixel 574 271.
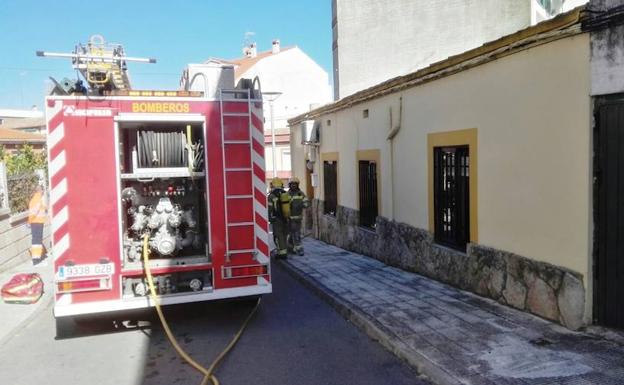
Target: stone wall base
pixel 549 291
pixel 15 239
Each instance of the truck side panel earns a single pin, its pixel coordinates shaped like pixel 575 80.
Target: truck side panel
pixel 83 193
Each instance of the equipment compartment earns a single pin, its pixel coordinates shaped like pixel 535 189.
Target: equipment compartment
pixel 163 195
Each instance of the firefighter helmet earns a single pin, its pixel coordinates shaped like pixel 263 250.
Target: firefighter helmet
pixel 277 182
pixel 294 179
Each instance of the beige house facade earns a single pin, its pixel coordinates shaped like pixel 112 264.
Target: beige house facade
pixel 479 170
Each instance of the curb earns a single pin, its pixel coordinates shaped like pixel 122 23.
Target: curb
pixel 374 330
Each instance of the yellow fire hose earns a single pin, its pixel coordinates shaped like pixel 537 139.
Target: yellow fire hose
pixel 208 373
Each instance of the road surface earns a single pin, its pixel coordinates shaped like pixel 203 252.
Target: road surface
pixel 295 338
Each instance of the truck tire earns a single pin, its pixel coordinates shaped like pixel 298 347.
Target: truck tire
pixel 65 327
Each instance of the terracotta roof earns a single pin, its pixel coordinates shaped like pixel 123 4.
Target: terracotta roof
pixel 15 124
pixel 564 25
pixel 243 64
pixel 8 135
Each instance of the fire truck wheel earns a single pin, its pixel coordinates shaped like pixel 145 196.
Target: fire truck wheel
pixel 64 327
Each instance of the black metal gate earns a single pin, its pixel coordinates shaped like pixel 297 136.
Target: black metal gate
pixel 451 196
pixel 330 186
pixel 609 212
pixel 368 193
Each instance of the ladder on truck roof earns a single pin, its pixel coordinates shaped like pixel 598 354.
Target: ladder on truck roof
pixel 237 152
pixel 102 64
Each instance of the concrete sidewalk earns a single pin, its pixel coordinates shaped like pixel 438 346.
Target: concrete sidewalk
pixel 452 336
pixel 15 317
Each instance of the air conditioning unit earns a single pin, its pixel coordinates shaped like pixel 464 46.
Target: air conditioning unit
pixel 311 132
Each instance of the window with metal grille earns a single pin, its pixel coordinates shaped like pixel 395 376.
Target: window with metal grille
pixel 451 196
pixel 330 186
pixel 368 193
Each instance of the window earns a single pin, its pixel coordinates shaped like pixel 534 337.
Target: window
pixel 365 113
pixel 368 192
pixel 451 196
pixel 330 186
pixel 286 160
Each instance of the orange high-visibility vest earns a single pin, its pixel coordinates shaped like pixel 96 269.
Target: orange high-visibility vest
pixel 37 209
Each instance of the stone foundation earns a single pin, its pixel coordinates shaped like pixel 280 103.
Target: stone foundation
pixel 15 239
pixel 551 292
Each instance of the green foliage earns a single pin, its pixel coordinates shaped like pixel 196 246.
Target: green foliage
pixel 21 189
pixel 24 160
pixel 21 178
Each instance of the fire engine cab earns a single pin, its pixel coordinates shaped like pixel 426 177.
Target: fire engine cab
pixel 183 168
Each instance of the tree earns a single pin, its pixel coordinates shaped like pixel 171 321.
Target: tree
pixel 21 178
pixel 25 160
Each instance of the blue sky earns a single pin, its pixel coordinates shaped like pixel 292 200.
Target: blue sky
pixel 174 32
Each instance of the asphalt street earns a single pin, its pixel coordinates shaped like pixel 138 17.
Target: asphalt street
pixel 295 338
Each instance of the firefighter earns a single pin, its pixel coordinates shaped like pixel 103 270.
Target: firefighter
pixel 279 212
pixel 37 208
pixel 298 202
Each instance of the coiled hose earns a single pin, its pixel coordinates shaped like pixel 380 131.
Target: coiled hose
pixel 207 372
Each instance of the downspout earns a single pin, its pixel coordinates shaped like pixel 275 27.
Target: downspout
pixel 317 164
pixel 394 130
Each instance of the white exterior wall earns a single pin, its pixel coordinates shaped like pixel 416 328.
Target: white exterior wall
pixel 571 4
pixel 304 85
pixel 282 154
pixel 539 13
pixel 607 52
pixel 375 40
pixel 532 115
pixel 302 82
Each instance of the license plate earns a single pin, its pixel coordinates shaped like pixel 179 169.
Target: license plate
pixel 65 272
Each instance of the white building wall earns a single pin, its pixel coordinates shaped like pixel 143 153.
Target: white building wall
pixel 303 85
pixel 282 154
pixel 540 13
pixel 375 40
pixel 302 82
pixel 607 52
pixel 571 4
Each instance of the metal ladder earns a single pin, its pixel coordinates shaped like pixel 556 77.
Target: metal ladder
pixel 230 199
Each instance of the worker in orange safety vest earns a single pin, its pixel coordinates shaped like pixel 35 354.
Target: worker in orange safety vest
pixel 37 215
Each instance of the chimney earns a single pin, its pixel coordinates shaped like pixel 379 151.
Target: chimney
pixel 276 46
pixel 250 50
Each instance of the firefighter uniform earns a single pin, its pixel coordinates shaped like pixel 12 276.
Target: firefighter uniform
pixel 279 212
pixel 37 208
pixel 298 202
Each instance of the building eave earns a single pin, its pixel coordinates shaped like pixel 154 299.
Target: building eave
pixel 564 25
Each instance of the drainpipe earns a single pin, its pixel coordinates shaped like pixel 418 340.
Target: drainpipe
pixel 316 169
pixel 394 130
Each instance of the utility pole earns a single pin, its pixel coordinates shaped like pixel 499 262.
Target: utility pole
pixel 271 97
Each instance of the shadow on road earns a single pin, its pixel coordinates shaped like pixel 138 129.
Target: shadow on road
pixel 294 338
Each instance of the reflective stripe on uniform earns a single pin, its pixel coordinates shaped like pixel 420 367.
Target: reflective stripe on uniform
pixel 36 251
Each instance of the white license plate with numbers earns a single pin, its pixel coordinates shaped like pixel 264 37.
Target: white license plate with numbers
pixel 74 271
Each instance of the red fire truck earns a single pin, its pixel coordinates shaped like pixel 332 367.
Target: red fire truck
pixel 183 168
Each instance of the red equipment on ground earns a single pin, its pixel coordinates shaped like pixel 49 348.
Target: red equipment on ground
pixel 25 288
